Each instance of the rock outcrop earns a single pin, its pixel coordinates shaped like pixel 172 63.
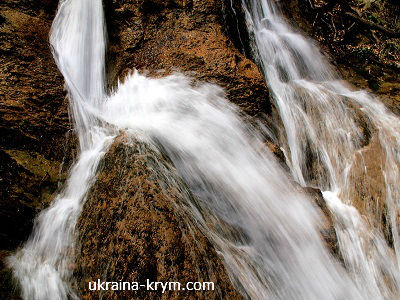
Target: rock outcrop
pixel 33 123
pixel 361 37
pixel 134 227
pixel 33 119
pixel 187 36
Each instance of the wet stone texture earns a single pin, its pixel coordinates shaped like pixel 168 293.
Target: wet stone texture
pixel 33 116
pixel 187 36
pixel 362 40
pixel 134 227
pixel 33 123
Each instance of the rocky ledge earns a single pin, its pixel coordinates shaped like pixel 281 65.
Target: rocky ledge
pixel 134 227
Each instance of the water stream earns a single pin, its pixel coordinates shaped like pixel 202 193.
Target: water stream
pixel 263 226
pixel 43 266
pixel 327 126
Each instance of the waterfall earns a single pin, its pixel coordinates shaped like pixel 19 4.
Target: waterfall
pixel 321 116
pixel 264 227
pixel 44 265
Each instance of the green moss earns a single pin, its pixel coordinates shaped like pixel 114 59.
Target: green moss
pixel 364 52
pixel 36 163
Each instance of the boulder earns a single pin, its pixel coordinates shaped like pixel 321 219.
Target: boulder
pixel 135 227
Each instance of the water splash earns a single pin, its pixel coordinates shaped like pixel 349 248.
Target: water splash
pixel 45 264
pixel 265 229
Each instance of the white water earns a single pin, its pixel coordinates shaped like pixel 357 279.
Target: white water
pixel 321 117
pixel 44 265
pixel 78 43
pixel 265 229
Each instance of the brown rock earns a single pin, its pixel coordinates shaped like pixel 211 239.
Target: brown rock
pixel 33 105
pixel 326 226
pixel 33 123
pixel 368 194
pixel 33 116
pixel 134 227
pixel 370 60
pixel 189 38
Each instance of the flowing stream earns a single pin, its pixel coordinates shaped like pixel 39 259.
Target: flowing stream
pixel 44 265
pixel 264 227
pixel 323 118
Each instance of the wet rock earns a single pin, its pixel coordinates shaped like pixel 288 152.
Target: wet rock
pixel 326 226
pixel 366 57
pixel 189 38
pixel 33 117
pixel 134 227
pixel 368 194
pixel 33 106
pixel 370 60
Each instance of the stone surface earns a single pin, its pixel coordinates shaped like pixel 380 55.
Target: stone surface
pixel 33 122
pixel 134 227
pixel 366 57
pixel 190 38
pixel 33 117
pixel 370 60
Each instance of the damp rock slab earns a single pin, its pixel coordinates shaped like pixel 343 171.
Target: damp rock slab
pixel 134 227
pixel 192 37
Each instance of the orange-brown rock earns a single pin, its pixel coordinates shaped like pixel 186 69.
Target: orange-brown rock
pixel 186 36
pixel 369 59
pixel 33 122
pixel 368 194
pixel 33 116
pixel 366 57
pixel 135 227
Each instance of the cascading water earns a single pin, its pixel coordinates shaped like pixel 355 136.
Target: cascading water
pixel 321 116
pixel 264 228
pixel 44 265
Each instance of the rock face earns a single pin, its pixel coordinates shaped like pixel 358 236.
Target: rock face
pixel 33 119
pixel 134 227
pixel 187 36
pixel 155 241
pixel 33 116
pixel 362 37
pixel 33 122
